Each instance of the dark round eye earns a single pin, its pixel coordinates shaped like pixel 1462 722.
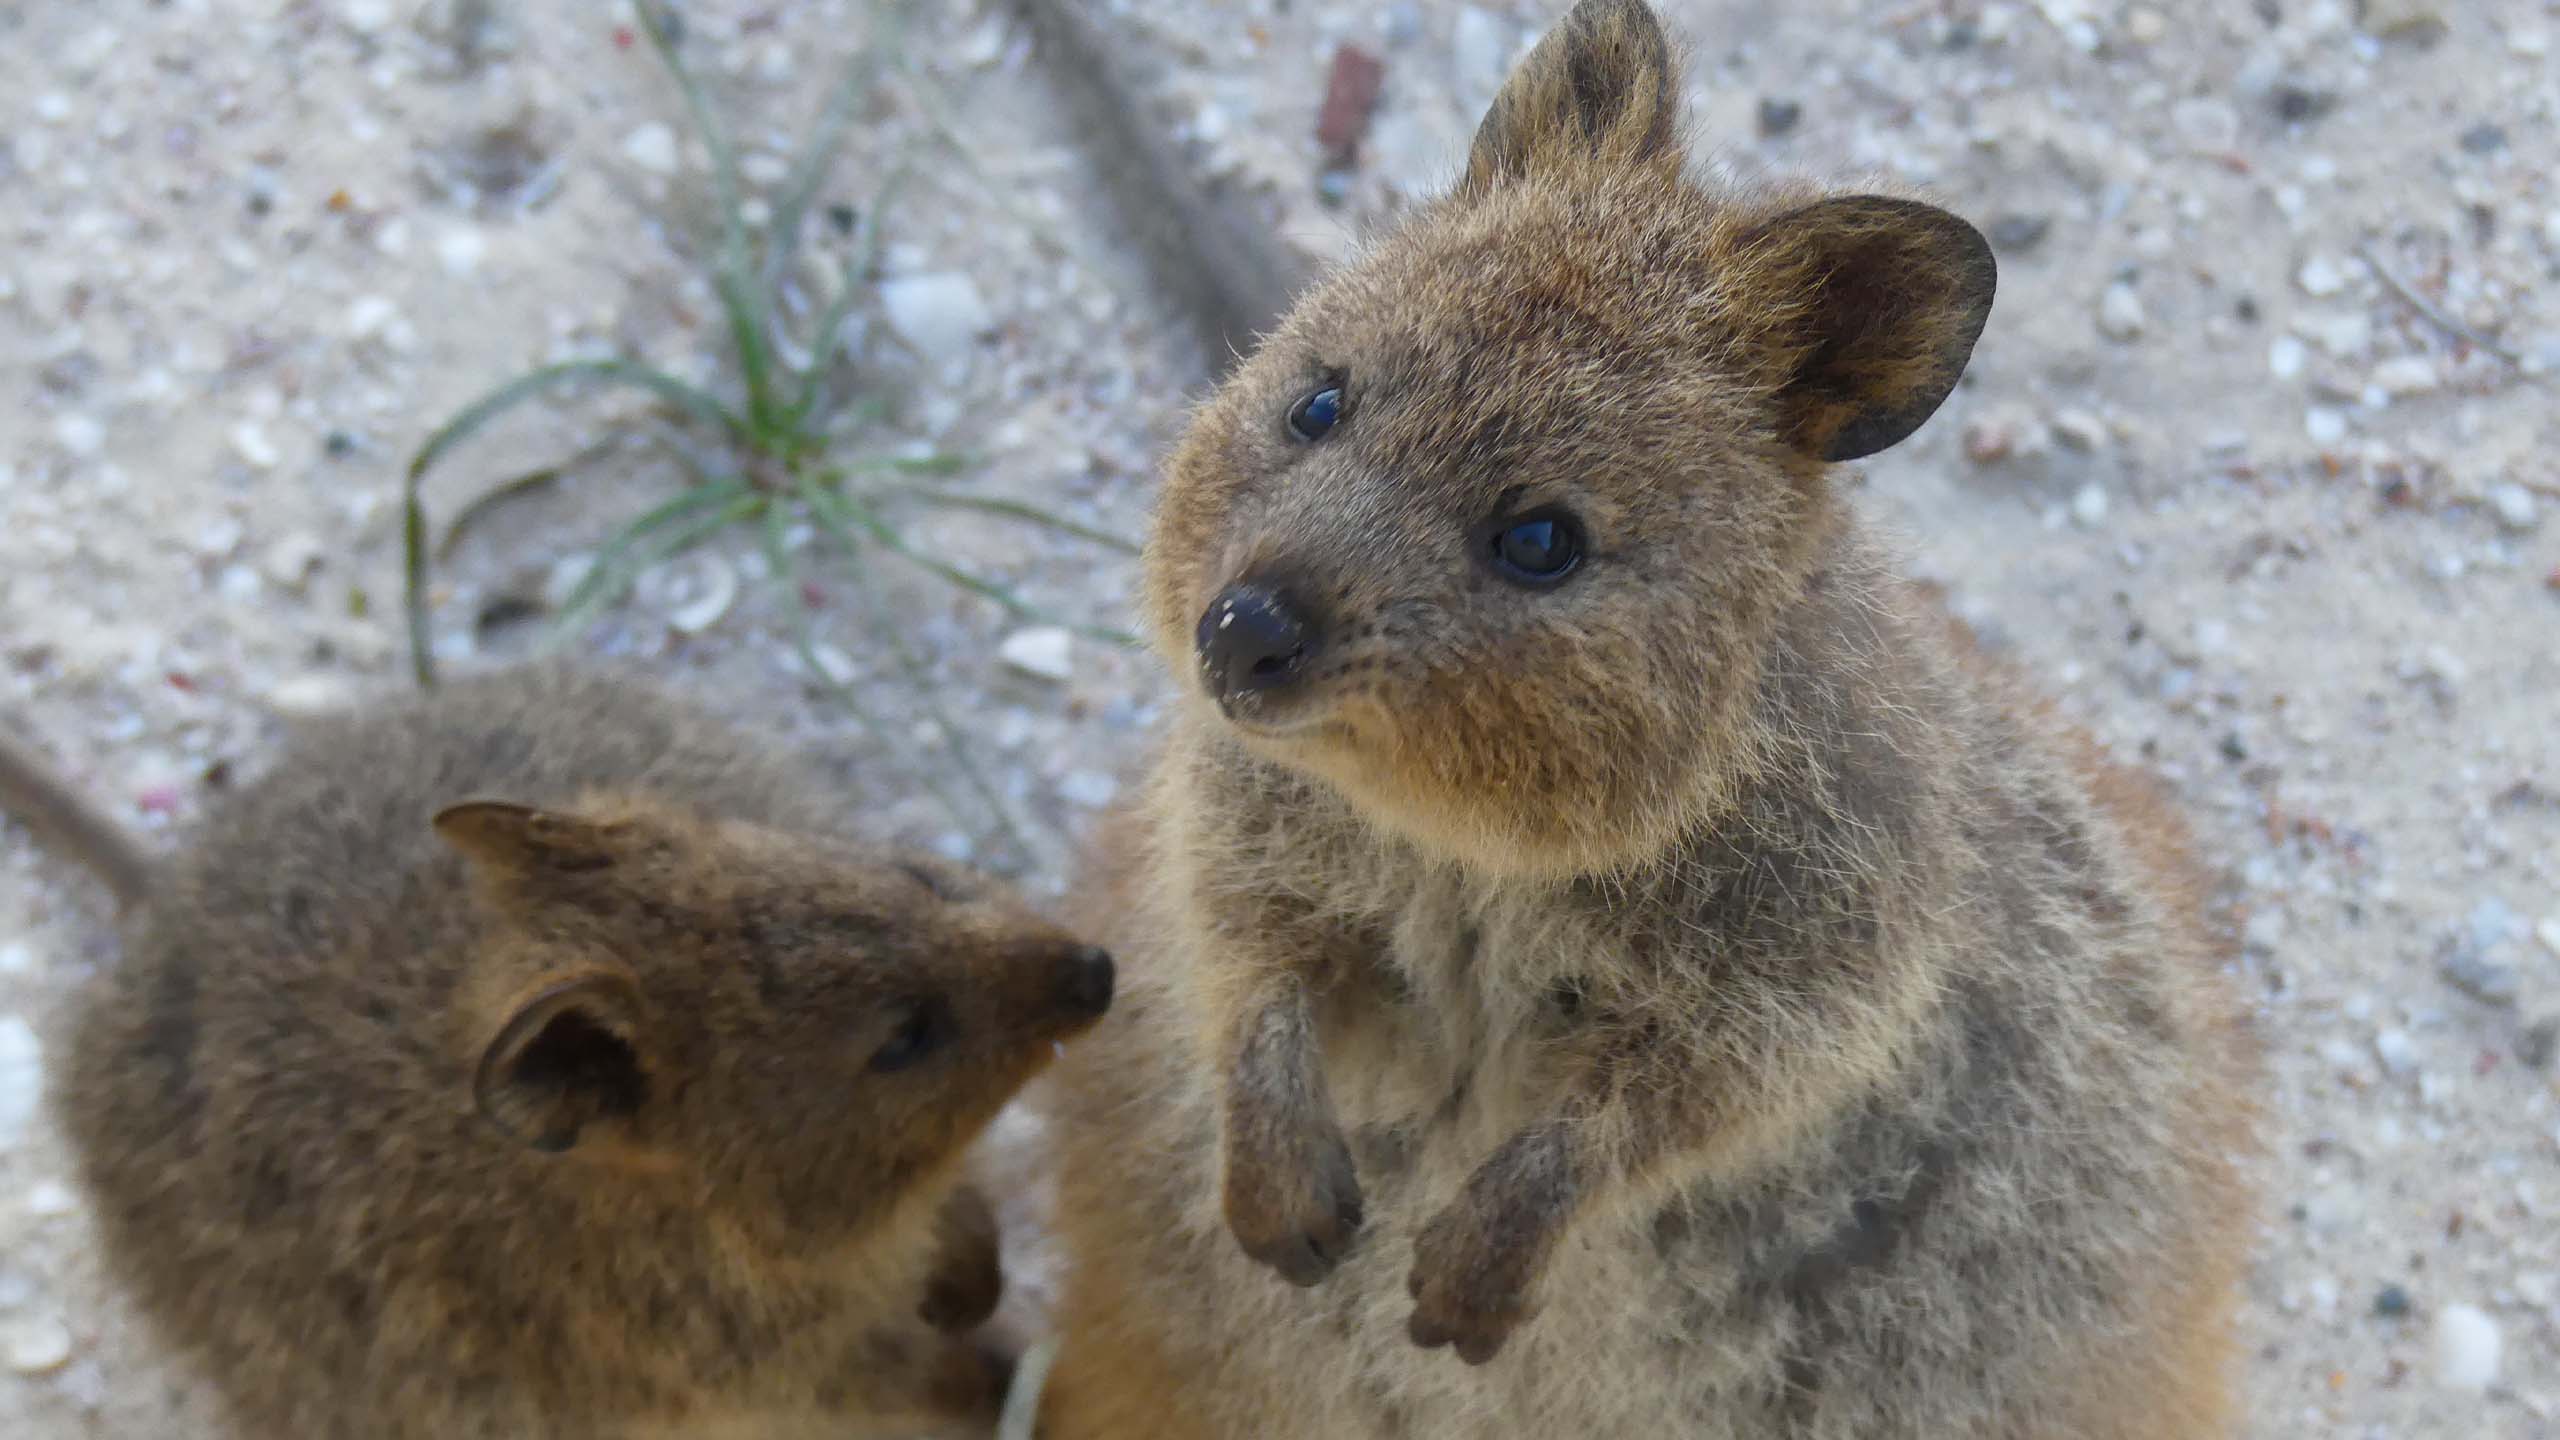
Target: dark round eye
pixel 1539 548
pixel 1312 417
pixel 925 1028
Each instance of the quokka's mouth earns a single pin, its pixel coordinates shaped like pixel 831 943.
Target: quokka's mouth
pixel 1292 722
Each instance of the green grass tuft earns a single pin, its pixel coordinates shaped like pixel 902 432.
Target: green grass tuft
pixel 772 453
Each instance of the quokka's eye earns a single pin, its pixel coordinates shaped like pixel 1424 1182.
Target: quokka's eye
pixel 926 1027
pixel 1537 549
pixel 1313 417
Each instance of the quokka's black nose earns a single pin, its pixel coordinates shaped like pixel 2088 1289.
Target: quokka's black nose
pixel 1086 989
pixel 1252 639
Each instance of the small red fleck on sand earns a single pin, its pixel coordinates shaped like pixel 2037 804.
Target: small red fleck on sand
pixel 180 680
pixel 1350 94
pixel 811 597
pixel 2552 580
pixel 340 202
pixel 622 37
pixel 158 800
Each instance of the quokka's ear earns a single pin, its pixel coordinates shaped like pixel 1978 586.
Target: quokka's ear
pixel 567 1063
pixel 1600 91
pixel 1886 297
pixel 519 841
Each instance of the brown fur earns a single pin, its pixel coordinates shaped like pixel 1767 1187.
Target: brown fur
pixel 1698 993
pixel 555 1112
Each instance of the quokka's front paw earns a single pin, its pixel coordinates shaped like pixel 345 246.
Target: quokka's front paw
pixel 1296 1209
pixel 1470 1289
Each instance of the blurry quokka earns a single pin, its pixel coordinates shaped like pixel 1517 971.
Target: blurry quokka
pixel 1591 915
pixel 540 1060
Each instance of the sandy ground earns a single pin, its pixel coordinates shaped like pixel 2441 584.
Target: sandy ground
pixel 2235 500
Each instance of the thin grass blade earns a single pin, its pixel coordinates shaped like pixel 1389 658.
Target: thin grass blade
pixel 478 506
pixel 637 546
pixel 413 511
pixel 817 159
pixel 844 512
pixel 741 297
pixel 859 261
pixel 826 508
pixel 532 383
pixel 1017 510
pixel 786 568
pixel 413 565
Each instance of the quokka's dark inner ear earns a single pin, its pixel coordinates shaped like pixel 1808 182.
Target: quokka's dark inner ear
pixel 1601 90
pixel 521 840
pixel 566 1061
pixel 1888 297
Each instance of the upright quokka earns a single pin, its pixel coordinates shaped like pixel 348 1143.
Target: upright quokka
pixel 542 1060
pixel 1590 915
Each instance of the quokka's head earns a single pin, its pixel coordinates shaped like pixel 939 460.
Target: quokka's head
pixel 1493 530
pixel 803 1033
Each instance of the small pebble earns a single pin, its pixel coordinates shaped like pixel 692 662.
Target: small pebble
pixel 2415 22
pixel 939 314
pixel 2407 375
pixel 2321 277
pixel 2547 930
pixel 2539 1042
pixel 2395 1050
pixel 697 590
pixel 1046 652
pixel 2324 426
pixel 2296 103
pixel 79 434
pixel 21 1078
pixel 2515 508
pixel 34 1344
pixel 1777 117
pixel 2015 234
pixel 460 250
pixel 371 315
pixel 2089 507
pixel 16 958
pixel 652 147
pixel 2484 139
pixel 1350 98
pixel 2467 1346
pixel 2391 1302
pixel 2263 931
pixel 1088 789
pixel 2492 921
pixel 2120 315
pixel 249 440
pixel 2482 979
pixel 316 693
pixel 2079 430
pixel 2286 357
pixel 833 664
pixel 49 1199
